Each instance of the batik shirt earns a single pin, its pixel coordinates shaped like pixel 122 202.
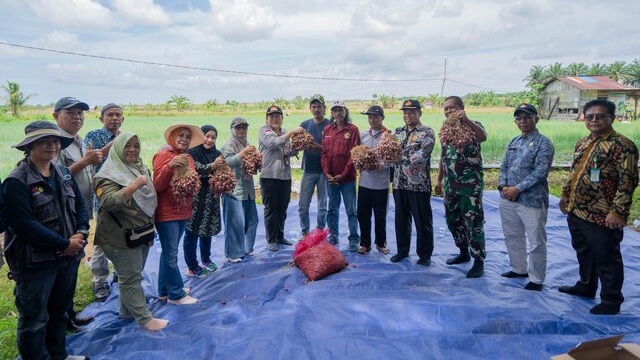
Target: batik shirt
pixel 98 138
pixel 412 172
pixel 593 197
pixel 525 165
pixel 463 172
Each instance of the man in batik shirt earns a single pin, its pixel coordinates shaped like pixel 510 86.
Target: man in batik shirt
pixel 597 199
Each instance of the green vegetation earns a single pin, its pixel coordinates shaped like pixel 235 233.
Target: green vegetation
pixel 15 99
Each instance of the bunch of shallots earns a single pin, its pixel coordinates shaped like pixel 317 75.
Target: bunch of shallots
pixel 184 184
pixel 454 132
pixel 388 148
pixel 364 159
pixel 301 141
pixel 251 161
pixel 222 180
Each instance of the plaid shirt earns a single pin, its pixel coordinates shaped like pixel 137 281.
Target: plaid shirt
pixel 616 157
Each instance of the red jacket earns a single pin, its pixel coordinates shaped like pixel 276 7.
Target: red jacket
pixel 336 151
pixel 168 209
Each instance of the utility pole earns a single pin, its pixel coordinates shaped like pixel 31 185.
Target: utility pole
pixel 444 77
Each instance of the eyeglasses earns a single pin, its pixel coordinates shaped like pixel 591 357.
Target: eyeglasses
pixel 596 117
pixel 522 118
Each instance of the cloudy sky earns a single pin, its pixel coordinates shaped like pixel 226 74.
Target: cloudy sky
pixel 487 43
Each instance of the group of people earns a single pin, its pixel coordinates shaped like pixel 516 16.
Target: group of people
pixel 53 191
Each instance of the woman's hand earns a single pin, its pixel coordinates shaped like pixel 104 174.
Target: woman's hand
pixel 140 182
pixel 179 161
pixel 217 163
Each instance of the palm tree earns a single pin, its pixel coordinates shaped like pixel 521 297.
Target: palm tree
pixel 634 73
pixel 536 75
pixel 597 69
pixel 15 98
pixel 179 101
pixel 577 69
pixel 618 71
pixel 553 72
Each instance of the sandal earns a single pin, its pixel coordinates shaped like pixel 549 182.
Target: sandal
pixel 364 249
pixel 383 250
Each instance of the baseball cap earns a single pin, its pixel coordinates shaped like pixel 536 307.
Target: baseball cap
pixel 274 109
pixel 238 121
pixel 374 110
pixel 525 108
pixel 411 104
pixel 69 102
pixel 338 103
pixel 317 97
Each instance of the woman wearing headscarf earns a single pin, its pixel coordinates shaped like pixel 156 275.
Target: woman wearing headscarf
pixel 205 214
pixel 172 212
pixel 275 176
pixel 126 200
pixel 48 228
pixel 239 207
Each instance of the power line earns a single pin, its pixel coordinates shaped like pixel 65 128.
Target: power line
pixel 235 72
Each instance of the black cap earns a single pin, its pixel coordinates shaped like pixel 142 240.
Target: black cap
pixel 69 102
pixel 374 110
pixel 525 108
pixel 274 109
pixel 411 104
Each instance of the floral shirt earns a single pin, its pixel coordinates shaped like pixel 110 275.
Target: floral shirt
pixel 98 138
pixel 603 176
pixel 412 172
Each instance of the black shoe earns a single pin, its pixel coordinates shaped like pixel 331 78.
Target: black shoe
pixel 82 321
pixel 574 290
pixel 424 262
pixel 511 274
pixel 477 269
pixel 284 242
pixel 605 309
pixel 73 328
pixel 398 257
pixel 101 292
pixel 115 278
pixel 533 286
pixel 460 259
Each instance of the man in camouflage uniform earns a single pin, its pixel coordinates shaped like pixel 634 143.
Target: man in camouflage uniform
pixel 461 170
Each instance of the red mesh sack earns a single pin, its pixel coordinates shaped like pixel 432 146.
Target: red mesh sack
pixel 314 238
pixel 320 260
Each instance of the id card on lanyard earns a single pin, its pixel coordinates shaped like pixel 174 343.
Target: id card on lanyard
pixel 594 174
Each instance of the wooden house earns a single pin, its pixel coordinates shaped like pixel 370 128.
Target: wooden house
pixel 564 97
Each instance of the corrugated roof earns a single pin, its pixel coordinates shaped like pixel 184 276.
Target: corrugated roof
pixel 594 83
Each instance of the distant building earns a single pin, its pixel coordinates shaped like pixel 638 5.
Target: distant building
pixel 428 104
pixel 564 97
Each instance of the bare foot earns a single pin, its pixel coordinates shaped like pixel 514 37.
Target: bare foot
pixel 156 324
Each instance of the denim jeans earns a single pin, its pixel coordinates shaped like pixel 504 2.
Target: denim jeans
pixel 169 279
pixel 348 193
pixel 310 181
pixel 189 246
pixel 240 226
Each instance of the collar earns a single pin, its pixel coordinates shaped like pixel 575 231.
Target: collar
pixel 606 135
pixel 531 134
pixel 65 133
pixel 34 177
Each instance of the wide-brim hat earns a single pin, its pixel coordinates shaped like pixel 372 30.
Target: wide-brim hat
pixel 197 137
pixel 40 129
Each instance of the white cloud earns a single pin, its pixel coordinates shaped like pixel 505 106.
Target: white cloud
pixel 11 52
pixel 61 40
pixel 448 9
pixel 142 12
pixel 73 13
pixel 242 20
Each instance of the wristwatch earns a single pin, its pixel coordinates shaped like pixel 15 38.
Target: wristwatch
pixel 500 187
pixel 84 233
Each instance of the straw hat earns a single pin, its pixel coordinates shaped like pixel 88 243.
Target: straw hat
pixel 197 137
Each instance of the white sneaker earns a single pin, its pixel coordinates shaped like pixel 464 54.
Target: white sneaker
pixel 235 260
pixel 187 300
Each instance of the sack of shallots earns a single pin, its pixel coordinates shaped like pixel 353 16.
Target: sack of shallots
pixel 301 141
pixel 316 258
pixel 364 159
pixel 185 183
pixel 222 180
pixel 454 132
pixel 251 161
pixel 389 148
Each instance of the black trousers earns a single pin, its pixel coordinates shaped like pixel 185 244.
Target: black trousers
pixel 375 201
pixel 275 197
pixel 598 251
pixel 43 297
pixel 416 205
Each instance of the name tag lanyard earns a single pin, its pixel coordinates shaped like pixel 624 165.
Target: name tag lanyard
pixel 594 174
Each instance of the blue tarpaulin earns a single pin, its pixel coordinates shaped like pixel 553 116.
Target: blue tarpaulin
pixel 374 309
